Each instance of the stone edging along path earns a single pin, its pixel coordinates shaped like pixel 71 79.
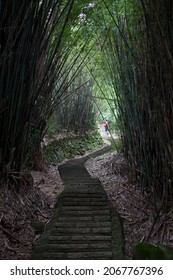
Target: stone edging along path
pixel 85 225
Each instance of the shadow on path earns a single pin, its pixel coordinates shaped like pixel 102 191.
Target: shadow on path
pixel 85 225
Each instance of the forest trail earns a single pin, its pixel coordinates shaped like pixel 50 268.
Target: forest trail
pixel 85 225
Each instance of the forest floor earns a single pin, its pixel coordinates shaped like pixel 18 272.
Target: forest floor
pixel 140 221
pixel 20 210
pixel 35 203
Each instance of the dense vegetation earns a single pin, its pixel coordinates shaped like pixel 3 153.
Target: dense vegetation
pixel 59 150
pixel 139 51
pixel 73 62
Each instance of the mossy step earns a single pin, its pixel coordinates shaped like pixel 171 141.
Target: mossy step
pixel 79 238
pixel 84 230
pixel 86 190
pixel 79 195
pixel 84 202
pixel 85 179
pixel 84 197
pixel 84 213
pixel 82 184
pixel 70 185
pixel 88 207
pixel 68 181
pixel 83 224
pixel 105 255
pixel 74 247
pixel 84 218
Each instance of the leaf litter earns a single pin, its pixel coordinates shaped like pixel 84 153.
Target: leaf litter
pixel 140 220
pixel 19 209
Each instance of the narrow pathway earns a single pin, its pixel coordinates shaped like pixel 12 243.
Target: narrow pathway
pixel 85 225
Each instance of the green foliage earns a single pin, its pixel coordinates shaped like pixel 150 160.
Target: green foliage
pixel 117 145
pixel 134 45
pixel 147 251
pixel 38 226
pixel 60 150
pixel 53 126
pixel 38 62
pixel 29 58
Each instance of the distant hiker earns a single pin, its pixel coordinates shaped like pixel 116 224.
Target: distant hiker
pixel 106 126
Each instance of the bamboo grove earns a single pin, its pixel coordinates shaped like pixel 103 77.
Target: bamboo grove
pixel 35 65
pixel 138 52
pixel 52 62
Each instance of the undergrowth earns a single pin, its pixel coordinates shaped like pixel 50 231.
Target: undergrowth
pixel 62 149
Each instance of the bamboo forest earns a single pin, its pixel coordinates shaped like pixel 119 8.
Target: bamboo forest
pixel 86 129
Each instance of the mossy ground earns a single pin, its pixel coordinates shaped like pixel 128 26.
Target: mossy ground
pixel 62 149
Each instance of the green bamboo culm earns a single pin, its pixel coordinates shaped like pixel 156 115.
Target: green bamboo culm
pixel 139 59
pixel 27 30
